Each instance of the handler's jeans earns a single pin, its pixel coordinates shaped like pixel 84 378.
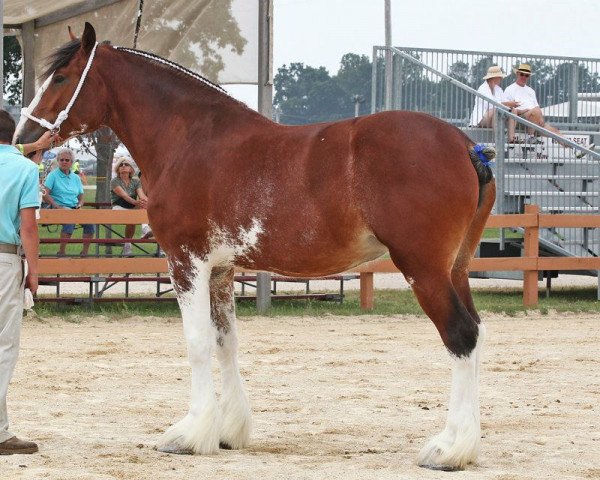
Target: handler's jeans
pixel 11 314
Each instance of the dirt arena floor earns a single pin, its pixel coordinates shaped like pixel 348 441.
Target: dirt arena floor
pixel 333 398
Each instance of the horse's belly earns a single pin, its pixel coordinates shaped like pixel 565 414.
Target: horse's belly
pixel 314 259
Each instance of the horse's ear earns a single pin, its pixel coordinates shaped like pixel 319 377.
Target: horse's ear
pixel 71 34
pixel 88 39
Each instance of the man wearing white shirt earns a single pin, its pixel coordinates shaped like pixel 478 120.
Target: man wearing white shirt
pixel 527 104
pixel 483 111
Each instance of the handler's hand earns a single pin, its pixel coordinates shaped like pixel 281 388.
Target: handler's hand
pixel 47 139
pixel 31 282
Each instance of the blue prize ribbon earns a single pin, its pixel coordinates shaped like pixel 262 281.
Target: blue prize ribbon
pixel 478 149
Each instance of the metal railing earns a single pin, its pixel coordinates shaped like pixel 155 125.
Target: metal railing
pixel 567 88
pixel 550 168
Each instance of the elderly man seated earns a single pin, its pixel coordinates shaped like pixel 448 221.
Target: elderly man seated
pixel 527 104
pixel 65 190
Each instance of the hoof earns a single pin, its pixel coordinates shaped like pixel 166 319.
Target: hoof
pixel 441 468
pixel 225 446
pixel 444 456
pixel 193 435
pixel 175 449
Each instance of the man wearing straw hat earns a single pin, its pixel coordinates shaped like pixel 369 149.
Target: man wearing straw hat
pixel 527 104
pixel 483 111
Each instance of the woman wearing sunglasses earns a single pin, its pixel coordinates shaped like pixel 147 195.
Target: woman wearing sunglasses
pixel 126 193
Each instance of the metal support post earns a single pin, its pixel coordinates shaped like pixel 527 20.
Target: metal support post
pixel 28 43
pixel 388 56
pixel 374 77
pixel 573 92
pixel 397 83
pixel 500 141
pixel 265 107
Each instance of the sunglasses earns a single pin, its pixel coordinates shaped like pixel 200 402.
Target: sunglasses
pixel 64 159
pixel 124 165
pixel 521 74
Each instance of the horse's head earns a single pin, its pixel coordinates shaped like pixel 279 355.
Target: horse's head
pixel 70 100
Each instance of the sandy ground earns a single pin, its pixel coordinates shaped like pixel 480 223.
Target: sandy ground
pixel 332 398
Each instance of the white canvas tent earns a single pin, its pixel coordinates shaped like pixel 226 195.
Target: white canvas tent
pixel 215 38
pixel 588 106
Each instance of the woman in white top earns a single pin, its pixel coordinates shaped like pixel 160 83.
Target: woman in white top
pixel 483 111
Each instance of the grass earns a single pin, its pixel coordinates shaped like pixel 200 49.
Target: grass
pixel 387 303
pixel 494 233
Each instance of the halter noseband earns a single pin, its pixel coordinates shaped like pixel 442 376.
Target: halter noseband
pixel 63 115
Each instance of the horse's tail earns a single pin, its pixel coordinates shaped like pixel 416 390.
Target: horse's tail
pixel 487 197
pixel 481 156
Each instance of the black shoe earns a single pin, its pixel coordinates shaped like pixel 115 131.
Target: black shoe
pixel 14 446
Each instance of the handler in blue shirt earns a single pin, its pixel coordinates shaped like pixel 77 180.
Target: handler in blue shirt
pixel 65 190
pixel 19 199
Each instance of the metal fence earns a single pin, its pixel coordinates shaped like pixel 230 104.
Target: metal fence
pixel 567 88
pixel 555 170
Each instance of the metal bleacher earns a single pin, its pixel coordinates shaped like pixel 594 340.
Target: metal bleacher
pixel 558 174
pixel 552 177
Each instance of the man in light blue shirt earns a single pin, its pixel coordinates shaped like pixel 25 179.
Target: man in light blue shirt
pixel 19 199
pixel 65 190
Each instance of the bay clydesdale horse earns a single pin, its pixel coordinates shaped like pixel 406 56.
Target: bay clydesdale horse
pixel 231 188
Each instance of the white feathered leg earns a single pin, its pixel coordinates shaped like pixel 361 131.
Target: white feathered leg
pixel 458 444
pixel 237 419
pixel 199 431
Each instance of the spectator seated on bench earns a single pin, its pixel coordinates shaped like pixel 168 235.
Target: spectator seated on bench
pixel 126 193
pixel 65 190
pixel 483 111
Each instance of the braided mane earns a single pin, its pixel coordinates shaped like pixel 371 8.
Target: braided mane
pixel 63 55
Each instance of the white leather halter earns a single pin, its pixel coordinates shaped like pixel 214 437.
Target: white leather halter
pixel 63 115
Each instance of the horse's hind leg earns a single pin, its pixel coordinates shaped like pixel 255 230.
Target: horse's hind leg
pixel 460 269
pixel 463 333
pixel 458 444
pixel 199 431
pixel 237 424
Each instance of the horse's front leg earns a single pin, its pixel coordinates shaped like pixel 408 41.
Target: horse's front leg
pixel 236 427
pixel 199 431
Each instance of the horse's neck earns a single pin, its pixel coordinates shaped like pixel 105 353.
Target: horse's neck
pixel 156 110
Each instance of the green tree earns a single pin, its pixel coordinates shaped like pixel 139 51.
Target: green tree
pixel 295 92
pixel 479 70
pixel 305 94
pixel 12 71
pixel 354 78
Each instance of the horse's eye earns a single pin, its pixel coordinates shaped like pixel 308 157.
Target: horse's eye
pixel 58 79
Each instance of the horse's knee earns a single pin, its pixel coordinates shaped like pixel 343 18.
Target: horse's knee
pixel 457 327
